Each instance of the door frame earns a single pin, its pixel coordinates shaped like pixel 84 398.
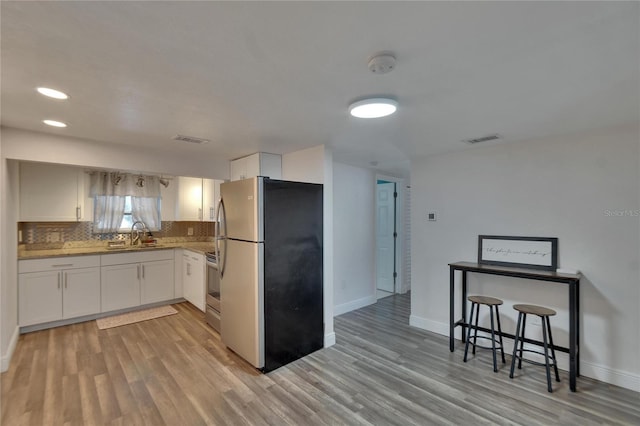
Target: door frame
pixel 399 214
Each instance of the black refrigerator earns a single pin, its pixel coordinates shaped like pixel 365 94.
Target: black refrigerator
pixel 269 242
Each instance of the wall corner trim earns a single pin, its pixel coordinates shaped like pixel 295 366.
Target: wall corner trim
pixel 329 339
pixel 6 357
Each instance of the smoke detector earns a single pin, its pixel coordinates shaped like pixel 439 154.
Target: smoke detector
pixel 382 63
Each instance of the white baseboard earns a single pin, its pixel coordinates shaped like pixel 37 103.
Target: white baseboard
pixel 353 305
pixel 6 357
pixel 605 374
pixel 620 378
pixel 329 339
pixel 429 325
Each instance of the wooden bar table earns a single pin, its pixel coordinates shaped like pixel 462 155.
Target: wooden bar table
pixel 571 280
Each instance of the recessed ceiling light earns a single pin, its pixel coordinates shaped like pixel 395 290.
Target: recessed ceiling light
pixel 52 93
pixel 54 123
pixel 373 108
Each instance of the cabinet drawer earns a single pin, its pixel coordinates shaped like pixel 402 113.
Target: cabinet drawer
pixel 136 257
pixel 57 263
pixel 193 256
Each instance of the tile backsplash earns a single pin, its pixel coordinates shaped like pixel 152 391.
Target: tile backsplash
pixel 58 233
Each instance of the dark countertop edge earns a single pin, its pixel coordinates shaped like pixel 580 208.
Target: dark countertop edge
pixel 477 267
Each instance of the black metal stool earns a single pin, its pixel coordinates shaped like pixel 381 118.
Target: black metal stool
pixel 492 303
pixel 544 314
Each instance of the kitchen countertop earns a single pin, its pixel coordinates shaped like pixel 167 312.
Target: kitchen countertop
pixel 200 247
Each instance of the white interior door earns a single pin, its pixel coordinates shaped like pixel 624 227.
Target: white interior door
pixel 385 227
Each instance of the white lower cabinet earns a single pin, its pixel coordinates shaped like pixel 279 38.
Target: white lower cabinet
pixel 133 279
pixel 54 289
pixel 156 284
pixel 120 286
pixel 193 279
pixel 58 288
pixel 40 297
pixel 81 294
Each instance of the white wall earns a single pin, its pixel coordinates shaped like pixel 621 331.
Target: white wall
pixel 315 165
pixel 561 187
pixel 354 238
pixel 34 146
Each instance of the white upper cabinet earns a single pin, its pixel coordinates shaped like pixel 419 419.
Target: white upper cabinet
pixel 210 197
pixel 189 199
pixel 258 164
pixel 51 193
pixel 197 199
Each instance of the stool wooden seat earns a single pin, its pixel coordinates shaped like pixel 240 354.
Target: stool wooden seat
pixel 485 300
pixel 544 314
pixel 492 303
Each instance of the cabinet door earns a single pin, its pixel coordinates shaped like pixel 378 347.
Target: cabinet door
pixel 157 281
pixel 210 197
pixel 188 290
pixel 120 286
pixel 252 166
pixel 189 199
pixel 81 292
pixel 238 169
pixel 49 193
pixel 270 165
pixel 199 284
pixel 258 164
pixel 193 280
pixel 40 297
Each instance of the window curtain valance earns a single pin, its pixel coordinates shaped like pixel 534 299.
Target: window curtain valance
pixel 123 184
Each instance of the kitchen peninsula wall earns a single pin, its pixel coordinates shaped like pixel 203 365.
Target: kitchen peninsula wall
pixel 55 235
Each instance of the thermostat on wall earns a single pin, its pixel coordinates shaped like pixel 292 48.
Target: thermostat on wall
pixel 432 216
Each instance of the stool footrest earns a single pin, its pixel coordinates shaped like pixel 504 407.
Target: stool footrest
pixel 498 345
pixel 530 361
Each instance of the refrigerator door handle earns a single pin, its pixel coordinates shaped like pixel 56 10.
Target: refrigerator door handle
pixel 221 226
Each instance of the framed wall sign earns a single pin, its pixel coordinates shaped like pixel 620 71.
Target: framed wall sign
pixel 523 252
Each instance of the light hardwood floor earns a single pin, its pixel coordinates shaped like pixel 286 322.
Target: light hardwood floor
pixel 175 371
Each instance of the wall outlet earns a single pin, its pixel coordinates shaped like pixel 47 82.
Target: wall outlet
pixel 432 216
pixel 54 237
pixel 189 231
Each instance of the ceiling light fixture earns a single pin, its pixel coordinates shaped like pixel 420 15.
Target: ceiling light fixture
pixel 52 93
pixel 373 108
pixel 54 123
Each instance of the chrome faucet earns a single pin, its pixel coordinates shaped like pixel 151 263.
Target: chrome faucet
pixel 135 240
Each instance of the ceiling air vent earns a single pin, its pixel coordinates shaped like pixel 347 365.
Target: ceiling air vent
pixel 190 139
pixel 483 139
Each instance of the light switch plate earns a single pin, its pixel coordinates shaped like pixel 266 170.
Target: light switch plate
pixel 189 231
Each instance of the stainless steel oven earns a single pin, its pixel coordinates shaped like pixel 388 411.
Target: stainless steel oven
pixel 212 313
